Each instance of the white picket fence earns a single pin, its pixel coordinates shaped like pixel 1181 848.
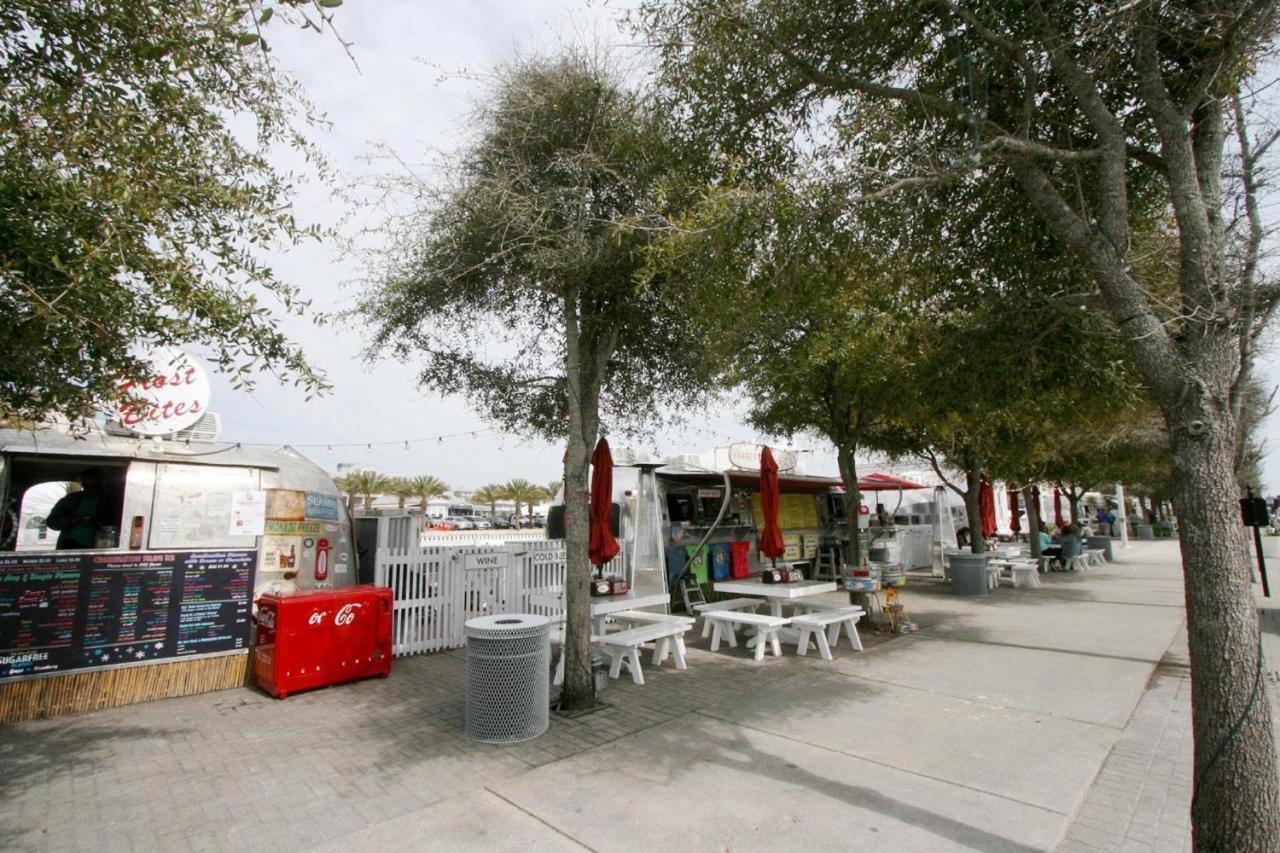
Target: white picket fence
pixel 438 587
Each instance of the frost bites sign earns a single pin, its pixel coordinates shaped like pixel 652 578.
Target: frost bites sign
pixel 172 396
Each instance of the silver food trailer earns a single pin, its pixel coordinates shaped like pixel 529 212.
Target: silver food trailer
pixel 156 600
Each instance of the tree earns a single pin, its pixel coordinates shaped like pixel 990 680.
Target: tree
pixel 797 316
pixel 490 495
pixel 368 484
pixel 522 492
pixel 131 205
pixel 347 487
pixel 426 487
pixel 401 488
pixel 553 489
pixel 1097 114
pixel 536 242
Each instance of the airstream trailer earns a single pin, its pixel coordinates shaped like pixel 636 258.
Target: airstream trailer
pixel 155 598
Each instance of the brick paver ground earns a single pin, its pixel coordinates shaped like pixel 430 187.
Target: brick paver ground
pixel 1141 799
pixel 239 770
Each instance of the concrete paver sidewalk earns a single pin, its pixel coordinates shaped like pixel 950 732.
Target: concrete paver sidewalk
pixel 985 731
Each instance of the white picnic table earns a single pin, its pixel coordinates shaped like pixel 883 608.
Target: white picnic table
pixel 602 606
pixel 776 594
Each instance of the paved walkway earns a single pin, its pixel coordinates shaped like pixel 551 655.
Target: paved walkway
pixel 1001 726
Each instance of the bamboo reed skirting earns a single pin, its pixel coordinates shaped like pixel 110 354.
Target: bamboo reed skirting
pixel 37 698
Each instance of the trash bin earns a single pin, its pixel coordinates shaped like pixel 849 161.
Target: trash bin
pixel 1099 543
pixel 508 691
pixel 968 574
pixel 1144 531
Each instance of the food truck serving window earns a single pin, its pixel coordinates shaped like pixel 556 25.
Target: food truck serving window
pixel 192 506
pixel 62 502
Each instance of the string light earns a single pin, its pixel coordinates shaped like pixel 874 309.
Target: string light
pixel 330 450
pixel 407 443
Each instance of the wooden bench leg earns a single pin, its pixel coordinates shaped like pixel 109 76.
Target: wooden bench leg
pixel 706 627
pixel 678 651
pixel 731 634
pixel 833 635
pixel 802 641
pixel 851 627
pixel 823 648
pixel 660 650
pixel 633 663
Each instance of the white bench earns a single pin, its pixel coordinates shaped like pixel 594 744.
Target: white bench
pixel 729 604
pixel 766 628
pixel 646 618
pixel 819 624
pixel 624 647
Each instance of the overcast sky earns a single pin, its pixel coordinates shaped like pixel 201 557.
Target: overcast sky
pixel 412 92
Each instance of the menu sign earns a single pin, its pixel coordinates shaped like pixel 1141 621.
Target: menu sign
pixel 62 612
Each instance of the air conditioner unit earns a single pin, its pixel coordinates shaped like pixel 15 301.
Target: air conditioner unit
pixel 204 431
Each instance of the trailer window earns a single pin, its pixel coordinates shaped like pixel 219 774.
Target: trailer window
pixel 38 486
pixel 192 505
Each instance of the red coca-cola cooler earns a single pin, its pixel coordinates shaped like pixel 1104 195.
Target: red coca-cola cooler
pixel 312 639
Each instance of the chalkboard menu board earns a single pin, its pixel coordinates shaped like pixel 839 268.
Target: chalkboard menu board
pixel 67 611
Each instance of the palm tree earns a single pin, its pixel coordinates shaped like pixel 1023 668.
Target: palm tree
pixel 344 485
pixel 553 489
pixel 425 487
pixel 490 495
pixel 402 489
pixel 522 492
pixel 369 484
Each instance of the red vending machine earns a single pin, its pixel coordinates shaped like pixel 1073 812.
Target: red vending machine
pixel 311 639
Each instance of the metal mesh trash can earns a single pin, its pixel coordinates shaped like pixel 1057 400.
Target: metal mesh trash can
pixel 968 574
pixel 508 688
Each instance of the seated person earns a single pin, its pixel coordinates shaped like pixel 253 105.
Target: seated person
pixel 77 515
pixel 962 537
pixel 1071 545
pixel 1047 546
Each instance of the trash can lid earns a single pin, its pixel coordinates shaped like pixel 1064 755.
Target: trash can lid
pixel 507 622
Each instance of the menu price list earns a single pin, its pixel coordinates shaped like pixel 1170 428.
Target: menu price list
pixel 213 613
pixel 61 612
pixel 38 600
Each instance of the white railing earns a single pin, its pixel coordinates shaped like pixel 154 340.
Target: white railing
pixel 481 537
pixel 437 587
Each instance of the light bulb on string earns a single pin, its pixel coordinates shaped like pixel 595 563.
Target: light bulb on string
pixel 368 448
pixel 440 439
pixel 329 450
pixel 406 445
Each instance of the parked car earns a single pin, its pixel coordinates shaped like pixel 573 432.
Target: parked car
pixel 538 521
pixel 461 522
pixel 482 524
pixel 442 524
pixel 502 522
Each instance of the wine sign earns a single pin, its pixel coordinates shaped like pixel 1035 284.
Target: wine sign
pixel 173 395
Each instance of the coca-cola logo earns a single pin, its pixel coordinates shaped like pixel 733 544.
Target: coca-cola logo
pixel 345 615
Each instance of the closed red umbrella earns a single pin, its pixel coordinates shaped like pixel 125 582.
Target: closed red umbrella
pixel 771 535
pixel 1016 524
pixel 603 547
pixel 1058 520
pixel 987 508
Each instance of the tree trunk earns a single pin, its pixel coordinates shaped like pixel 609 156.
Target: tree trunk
pixel 846 459
pixel 1237 803
pixel 586 357
pixel 1075 505
pixel 1033 519
pixel 973 482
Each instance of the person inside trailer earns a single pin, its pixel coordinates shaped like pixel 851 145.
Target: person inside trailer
pixel 78 515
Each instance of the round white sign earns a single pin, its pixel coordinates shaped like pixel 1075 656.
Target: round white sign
pixel 173 395
pixel 745 455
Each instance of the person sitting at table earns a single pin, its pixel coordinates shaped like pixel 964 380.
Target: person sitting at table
pixel 1071 545
pixel 962 537
pixel 1047 546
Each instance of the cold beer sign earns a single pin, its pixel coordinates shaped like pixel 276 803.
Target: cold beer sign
pixel 172 395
